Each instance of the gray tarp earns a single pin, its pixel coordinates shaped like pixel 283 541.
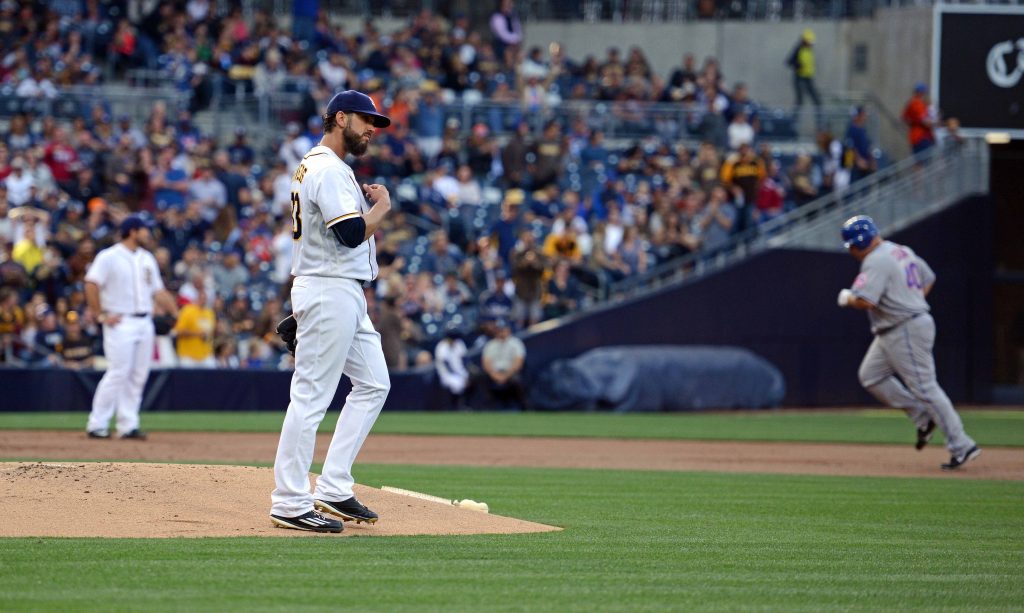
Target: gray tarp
pixel 658 378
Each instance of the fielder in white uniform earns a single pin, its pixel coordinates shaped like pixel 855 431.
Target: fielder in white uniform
pixel 121 285
pixel 333 255
pixel 899 368
pixel 450 361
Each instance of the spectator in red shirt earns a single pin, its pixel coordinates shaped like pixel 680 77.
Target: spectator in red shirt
pixel 124 46
pixel 916 115
pixel 771 195
pixel 61 157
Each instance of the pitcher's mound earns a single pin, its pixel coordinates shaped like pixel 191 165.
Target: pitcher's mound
pixel 175 500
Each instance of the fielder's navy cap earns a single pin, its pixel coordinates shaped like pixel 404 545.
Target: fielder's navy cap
pixel 133 222
pixel 351 101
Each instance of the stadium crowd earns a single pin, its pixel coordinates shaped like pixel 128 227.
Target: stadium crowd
pixel 491 229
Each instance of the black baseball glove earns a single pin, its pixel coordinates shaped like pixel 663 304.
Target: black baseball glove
pixel 287 330
pixel 163 324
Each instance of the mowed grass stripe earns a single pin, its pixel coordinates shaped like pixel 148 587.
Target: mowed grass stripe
pixel 632 541
pixel 989 427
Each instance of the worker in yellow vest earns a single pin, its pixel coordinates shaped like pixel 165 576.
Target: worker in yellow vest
pixel 801 61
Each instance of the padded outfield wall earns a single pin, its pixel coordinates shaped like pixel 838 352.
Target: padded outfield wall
pixel 780 304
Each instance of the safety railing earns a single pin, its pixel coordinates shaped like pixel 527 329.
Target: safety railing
pixel 232 107
pixel 926 184
pixel 645 11
pixel 626 120
pixel 895 197
pixel 263 116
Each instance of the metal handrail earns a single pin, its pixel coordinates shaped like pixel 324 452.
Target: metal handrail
pixel 945 177
pixel 896 196
pixel 667 121
pixel 662 11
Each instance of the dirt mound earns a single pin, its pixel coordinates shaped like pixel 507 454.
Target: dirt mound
pixel 189 500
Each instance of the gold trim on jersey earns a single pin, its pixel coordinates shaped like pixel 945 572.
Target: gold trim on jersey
pixel 309 155
pixel 340 218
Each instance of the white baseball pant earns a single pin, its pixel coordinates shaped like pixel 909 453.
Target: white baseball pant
pixel 128 347
pixel 335 336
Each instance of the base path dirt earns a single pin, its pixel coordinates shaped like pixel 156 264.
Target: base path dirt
pixel 724 456
pixel 190 500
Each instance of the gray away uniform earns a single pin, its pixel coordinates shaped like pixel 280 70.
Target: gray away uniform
pixel 893 278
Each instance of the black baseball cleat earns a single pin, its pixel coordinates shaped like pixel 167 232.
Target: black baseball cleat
pixel 924 435
pixel 956 462
pixel 311 522
pixel 98 433
pixel 134 434
pixel 348 510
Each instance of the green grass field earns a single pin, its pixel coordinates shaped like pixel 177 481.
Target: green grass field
pixel 993 427
pixel 633 540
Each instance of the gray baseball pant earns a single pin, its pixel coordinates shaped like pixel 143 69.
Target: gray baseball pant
pixel 906 350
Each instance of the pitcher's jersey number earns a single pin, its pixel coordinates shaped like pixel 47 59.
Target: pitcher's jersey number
pixel 300 174
pixel 296 217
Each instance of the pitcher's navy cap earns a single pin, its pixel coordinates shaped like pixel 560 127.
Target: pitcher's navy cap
pixel 133 222
pixel 351 101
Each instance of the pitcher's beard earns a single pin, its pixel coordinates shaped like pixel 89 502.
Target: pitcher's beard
pixel 354 142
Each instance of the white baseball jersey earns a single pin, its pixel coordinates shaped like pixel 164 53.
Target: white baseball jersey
pixel 325 192
pixel 127 279
pixel 893 278
pixel 334 335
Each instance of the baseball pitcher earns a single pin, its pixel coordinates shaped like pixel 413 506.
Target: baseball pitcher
pixel 333 255
pixel 899 368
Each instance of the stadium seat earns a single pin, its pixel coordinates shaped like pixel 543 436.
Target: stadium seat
pixel 778 125
pixel 65 108
pixel 10 104
pixel 492 196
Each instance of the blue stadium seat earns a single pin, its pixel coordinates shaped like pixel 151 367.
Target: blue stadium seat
pixel 492 196
pixel 778 125
pixel 9 104
pixel 66 108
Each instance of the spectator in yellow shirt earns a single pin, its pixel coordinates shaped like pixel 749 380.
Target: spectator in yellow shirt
pixel 26 251
pixel 564 245
pixel 194 332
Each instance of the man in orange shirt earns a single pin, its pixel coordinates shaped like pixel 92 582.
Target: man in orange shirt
pixel 916 115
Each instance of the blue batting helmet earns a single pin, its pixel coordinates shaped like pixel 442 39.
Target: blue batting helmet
pixel 859 231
